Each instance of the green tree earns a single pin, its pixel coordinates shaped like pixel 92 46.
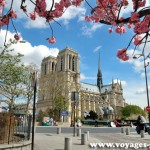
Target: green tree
pixel 40 116
pixel 130 110
pixel 28 89
pixel 93 115
pixel 12 76
pixel 59 105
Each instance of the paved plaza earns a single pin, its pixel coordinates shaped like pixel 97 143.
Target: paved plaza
pixel 48 141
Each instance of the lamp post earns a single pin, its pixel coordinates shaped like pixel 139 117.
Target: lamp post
pixel 146 86
pixel 145 71
pixel 34 84
pixel 75 99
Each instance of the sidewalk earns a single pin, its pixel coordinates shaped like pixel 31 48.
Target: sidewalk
pixel 56 142
pixel 138 136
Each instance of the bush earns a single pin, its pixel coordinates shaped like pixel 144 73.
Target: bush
pixel 93 115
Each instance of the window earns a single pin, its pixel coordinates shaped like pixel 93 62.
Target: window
pixel 52 66
pixel 73 63
pixel 61 67
pixel 70 62
pixel 45 69
pixel 56 67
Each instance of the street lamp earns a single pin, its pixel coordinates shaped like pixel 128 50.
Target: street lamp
pixel 75 99
pixel 145 70
pixel 33 84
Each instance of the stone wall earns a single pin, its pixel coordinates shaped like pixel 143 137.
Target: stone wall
pixel 26 145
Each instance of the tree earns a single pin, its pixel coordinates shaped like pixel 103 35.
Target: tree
pixel 40 116
pixel 15 78
pixel 28 89
pixel 93 115
pixel 130 110
pixel 108 12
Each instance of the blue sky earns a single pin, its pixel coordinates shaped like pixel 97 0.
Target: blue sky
pixel 87 39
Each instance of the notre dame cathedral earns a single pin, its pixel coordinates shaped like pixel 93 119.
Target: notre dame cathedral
pixel 61 76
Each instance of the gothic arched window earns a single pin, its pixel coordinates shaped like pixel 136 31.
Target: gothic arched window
pixel 45 68
pixel 69 61
pixel 73 63
pixel 61 66
pixel 53 66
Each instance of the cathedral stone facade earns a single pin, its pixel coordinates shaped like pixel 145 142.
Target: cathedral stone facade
pixel 61 76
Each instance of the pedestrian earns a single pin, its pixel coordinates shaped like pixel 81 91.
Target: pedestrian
pixel 96 123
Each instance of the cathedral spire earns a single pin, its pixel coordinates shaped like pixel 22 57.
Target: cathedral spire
pixel 113 83
pixel 121 85
pixel 99 75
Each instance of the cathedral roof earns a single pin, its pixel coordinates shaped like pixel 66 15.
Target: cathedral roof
pixel 89 87
pixel 94 88
pixel 106 87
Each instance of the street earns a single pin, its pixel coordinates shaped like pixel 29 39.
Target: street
pixel 53 129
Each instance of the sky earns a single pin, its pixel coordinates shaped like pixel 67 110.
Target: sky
pixel 88 39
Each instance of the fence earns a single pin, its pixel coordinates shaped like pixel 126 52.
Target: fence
pixel 14 128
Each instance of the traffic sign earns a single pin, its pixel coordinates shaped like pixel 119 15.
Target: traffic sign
pixel 64 113
pixel 148 108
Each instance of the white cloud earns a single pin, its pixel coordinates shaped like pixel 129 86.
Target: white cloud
pixel 135 92
pixel 88 30
pixel 83 77
pixel 123 83
pixel 71 13
pixel 38 23
pixel 32 54
pixel 127 10
pixel 141 91
pixel 97 48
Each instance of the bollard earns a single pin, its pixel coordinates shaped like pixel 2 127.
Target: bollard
pixel 58 130
pixel 83 139
pixel 87 132
pixel 127 131
pixel 122 130
pixel 68 144
pixel 142 133
pixel 78 132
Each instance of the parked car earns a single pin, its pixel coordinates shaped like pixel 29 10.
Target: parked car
pixel 99 122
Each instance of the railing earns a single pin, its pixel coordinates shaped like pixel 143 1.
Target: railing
pixel 14 128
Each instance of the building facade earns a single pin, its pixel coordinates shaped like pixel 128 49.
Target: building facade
pixel 61 76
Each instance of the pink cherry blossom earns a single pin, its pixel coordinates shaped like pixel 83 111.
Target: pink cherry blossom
pixel 2 3
pixel 129 25
pixel 88 18
pixel 137 40
pixel 124 2
pixel 110 30
pixel 32 15
pixel 4 21
pixel 76 2
pixel 1 11
pixel 40 8
pixel 17 37
pixel 139 3
pixel 120 30
pixel 67 3
pixel 51 40
pixel 122 54
pixel 135 17
pixel 113 1
pixel 12 14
